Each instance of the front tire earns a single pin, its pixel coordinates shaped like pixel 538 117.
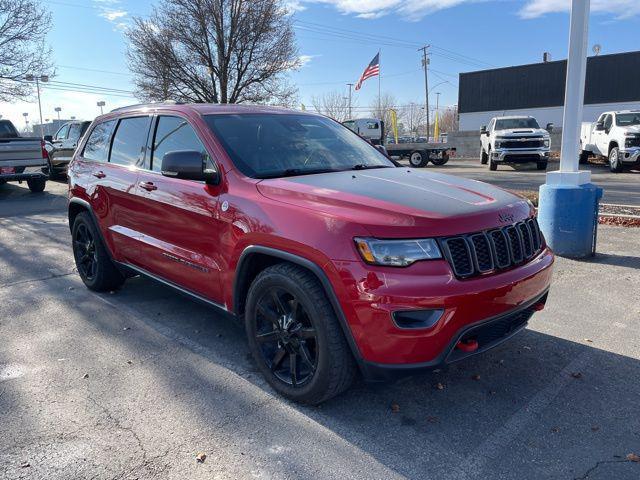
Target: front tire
pixel 418 159
pixel 615 161
pixel 36 185
pixel 96 269
pixel 295 337
pixel 484 158
pixel 542 165
pixel 493 166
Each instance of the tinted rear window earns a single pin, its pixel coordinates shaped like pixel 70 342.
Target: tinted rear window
pixel 97 147
pixel 130 140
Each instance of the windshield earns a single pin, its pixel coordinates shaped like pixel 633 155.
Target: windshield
pixel 268 146
pixel 513 123
pixel 627 119
pixel 7 130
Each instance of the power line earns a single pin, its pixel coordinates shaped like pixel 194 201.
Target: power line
pixel 94 70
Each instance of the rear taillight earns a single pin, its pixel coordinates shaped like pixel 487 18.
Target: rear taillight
pixel 45 154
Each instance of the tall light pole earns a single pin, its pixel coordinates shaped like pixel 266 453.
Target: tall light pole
pixel 26 120
pixel 350 85
pixel 38 79
pixel 568 210
pixel 425 65
pixel 58 110
pixel 101 104
pixel 437 117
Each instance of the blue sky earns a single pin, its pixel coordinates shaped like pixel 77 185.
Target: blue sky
pixel 467 35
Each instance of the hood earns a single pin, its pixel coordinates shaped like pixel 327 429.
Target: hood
pixel 522 132
pixel 401 202
pixel 632 129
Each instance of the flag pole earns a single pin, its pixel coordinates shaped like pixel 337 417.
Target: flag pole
pixel 379 77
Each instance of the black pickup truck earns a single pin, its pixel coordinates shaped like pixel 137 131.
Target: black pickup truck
pixel 22 158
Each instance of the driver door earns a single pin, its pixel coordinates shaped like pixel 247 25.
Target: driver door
pixel 601 139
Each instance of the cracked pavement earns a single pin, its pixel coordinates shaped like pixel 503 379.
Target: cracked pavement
pixel 167 378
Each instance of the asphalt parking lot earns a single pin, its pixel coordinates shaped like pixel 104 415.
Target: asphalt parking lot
pixel 619 188
pixel 134 384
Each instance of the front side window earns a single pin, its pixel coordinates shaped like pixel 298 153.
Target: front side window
pixel 279 145
pixel 62 133
pixel 129 141
pixel 608 122
pixel 173 134
pixel 513 123
pixel 97 147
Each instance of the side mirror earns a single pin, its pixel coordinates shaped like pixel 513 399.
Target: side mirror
pixel 600 126
pixel 48 138
pixel 550 127
pixel 188 165
pixel 483 130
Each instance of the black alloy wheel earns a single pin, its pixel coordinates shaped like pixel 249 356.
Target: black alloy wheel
pixel 286 336
pixel 84 249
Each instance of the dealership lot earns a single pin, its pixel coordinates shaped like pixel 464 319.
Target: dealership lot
pixel 136 383
pixel 619 188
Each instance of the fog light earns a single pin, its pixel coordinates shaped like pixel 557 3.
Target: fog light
pixel 413 319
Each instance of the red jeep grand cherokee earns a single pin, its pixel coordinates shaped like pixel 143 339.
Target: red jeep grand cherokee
pixel 337 259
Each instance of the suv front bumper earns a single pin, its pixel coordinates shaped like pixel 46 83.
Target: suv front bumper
pixel 505 155
pixel 373 294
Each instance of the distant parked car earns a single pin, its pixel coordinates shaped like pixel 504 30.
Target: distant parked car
pixel 62 145
pixel 515 140
pixel 22 158
pixel 615 136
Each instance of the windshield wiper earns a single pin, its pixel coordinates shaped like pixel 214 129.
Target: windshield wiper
pixel 364 166
pixel 292 172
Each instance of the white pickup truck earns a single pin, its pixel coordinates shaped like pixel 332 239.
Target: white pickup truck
pixel 22 158
pixel 515 140
pixel 615 136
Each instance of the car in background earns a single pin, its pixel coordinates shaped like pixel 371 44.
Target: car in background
pixel 515 139
pixel 370 128
pixel 615 136
pixel 62 145
pixel 22 158
pixel 335 258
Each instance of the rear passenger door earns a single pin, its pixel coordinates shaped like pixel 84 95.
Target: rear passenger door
pixel 178 218
pixel 114 181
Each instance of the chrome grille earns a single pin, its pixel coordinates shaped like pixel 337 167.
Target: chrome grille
pixel 499 249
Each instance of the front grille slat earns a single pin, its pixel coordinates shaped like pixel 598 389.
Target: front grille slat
pixel 484 252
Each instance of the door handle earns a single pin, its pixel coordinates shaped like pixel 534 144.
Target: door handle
pixel 148 186
pixel 99 174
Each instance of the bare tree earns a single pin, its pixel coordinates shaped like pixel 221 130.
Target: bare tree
pixel 23 27
pixel 220 51
pixel 382 109
pixel 333 104
pixel 449 120
pixel 414 118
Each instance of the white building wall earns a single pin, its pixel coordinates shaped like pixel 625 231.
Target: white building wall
pixel 475 121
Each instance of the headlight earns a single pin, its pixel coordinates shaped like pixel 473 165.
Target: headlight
pixel 547 142
pixel 397 253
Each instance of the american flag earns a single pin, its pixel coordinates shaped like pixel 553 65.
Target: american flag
pixel 372 70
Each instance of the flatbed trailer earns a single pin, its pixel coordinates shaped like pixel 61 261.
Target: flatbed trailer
pixel 420 154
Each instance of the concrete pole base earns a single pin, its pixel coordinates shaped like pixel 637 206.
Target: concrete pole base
pixel 568 217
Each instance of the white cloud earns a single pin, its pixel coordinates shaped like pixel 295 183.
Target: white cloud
pixel 621 9
pixel 112 15
pixel 305 59
pixel 417 9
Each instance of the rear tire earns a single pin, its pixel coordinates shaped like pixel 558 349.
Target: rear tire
pixel 615 161
pixel 442 160
pixel 288 315
pixel 36 185
pixel 418 159
pixel 95 267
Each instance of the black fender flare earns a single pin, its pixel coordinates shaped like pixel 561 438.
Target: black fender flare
pixel 313 268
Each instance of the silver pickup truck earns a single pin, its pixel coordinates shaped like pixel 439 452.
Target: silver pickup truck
pixel 22 159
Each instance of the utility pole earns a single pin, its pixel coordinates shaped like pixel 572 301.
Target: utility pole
pixel 437 116
pixel 425 65
pixel 38 78
pixel 350 85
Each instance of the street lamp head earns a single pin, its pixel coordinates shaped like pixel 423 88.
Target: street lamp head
pixel 25 114
pixel 57 109
pixel 44 78
pixel 101 103
pixel 29 78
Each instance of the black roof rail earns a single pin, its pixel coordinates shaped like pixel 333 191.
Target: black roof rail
pixel 148 104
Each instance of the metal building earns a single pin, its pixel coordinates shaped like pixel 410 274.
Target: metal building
pixel 613 83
